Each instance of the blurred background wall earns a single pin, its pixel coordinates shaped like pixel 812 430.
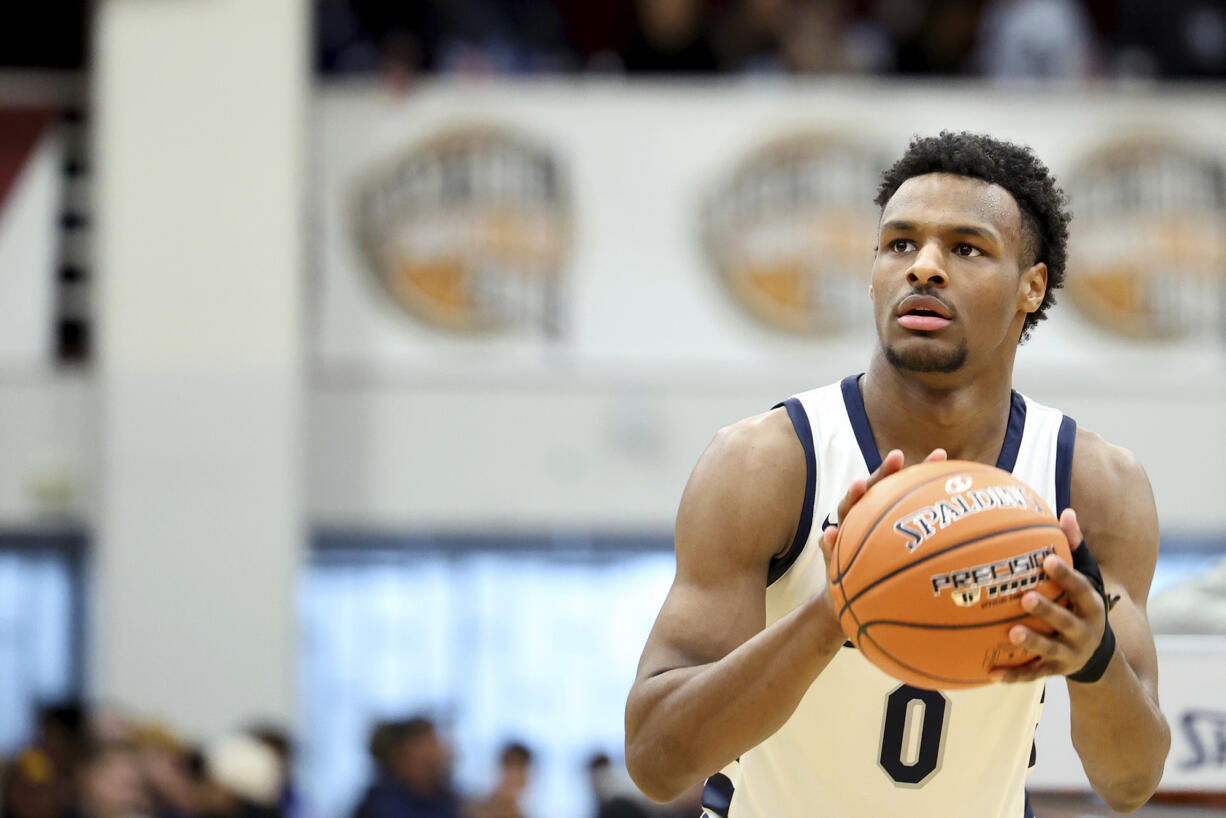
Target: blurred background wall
pixel 354 354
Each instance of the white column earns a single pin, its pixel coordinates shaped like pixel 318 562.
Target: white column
pixel 199 112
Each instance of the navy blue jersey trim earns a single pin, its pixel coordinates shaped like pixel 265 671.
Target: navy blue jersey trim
pixel 1013 433
pixel 1064 463
pixel 854 402
pixel 1027 811
pixel 859 422
pixel 717 794
pixel 800 422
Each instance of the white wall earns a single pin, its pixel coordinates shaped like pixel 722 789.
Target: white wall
pixel 615 455
pixel 200 524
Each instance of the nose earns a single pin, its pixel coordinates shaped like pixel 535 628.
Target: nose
pixel 927 270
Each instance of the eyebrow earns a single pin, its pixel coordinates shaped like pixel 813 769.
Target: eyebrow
pixel 961 229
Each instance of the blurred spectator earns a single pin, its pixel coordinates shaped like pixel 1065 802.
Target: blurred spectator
pixel 814 42
pixel 514 770
pixel 62 735
pixel 670 36
pixel 749 35
pixel 1035 39
pixel 289 802
pixel 163 762
pixel 30 787
pixel 111 784
pixel 500 37
pixel 1179 38
pixel 998 38
pixel 413 773
pixel 247 772
pixel 342 43
pixel 615 795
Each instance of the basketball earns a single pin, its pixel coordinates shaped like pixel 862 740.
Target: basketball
pixel 929 569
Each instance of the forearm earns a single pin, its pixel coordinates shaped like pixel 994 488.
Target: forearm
pixel 1120 734
pixel 686 723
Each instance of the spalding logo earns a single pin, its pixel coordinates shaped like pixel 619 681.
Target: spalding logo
pixel 918 526
pixel 468 232
pixel 957 484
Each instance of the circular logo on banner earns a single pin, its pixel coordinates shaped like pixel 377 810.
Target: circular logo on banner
pixel 791 232
pixel 1149 257
pixel 468 231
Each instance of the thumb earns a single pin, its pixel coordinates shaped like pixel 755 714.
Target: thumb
pixel 1071 528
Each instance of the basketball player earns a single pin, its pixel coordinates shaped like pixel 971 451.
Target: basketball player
pixel 746 678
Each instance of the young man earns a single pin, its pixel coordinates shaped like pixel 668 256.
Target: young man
pixel 746 676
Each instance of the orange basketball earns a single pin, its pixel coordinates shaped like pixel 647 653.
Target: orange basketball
pixel 929 570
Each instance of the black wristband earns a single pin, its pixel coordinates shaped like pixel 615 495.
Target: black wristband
pixel 1096 666
pixel 1094 669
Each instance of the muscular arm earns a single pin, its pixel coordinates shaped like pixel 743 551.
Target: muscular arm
pixel 1118 730
pixel 714 681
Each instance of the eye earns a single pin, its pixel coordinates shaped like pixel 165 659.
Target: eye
pixel 966 250
pixel 900 245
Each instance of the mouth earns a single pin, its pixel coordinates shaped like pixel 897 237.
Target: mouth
pixel 924 313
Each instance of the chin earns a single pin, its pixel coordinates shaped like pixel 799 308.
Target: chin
pixel 926 357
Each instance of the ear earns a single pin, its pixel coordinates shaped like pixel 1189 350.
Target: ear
pixel 1032 287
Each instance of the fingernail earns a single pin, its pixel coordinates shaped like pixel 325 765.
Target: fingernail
pixel 1030 600
pixel 1017 635
pixel 996 675
pixel 1051 565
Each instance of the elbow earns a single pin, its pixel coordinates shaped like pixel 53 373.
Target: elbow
pixel 1128 798
pixel 1131 793
pixel 650 775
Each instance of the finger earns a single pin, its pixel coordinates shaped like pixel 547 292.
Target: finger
pixel 829 535
pixel 1081 593
pixel 1028 672
pixel 852 497
pixel 1072 529
pixel 891 463
pixel 1044 647
pixel 1059 617
pixel 937 456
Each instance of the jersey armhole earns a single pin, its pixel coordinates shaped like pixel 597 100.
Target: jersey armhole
pixel 1065 439
pixel 800 422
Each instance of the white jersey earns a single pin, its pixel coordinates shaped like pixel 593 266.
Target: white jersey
pixel 861 743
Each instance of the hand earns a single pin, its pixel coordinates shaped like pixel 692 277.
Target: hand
pixel 1078 628
pixel 889 465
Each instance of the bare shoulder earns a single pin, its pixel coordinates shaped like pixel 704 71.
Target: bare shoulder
pixel 1114 501
pixel 746 492
pixel 1105 476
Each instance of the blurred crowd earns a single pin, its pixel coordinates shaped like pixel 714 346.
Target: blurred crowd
pixel 413 779
pixel 81 764
pixel 402 39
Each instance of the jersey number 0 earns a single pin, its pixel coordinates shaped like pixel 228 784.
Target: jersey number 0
pixel 913 734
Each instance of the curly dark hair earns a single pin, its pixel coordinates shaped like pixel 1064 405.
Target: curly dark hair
pixel 1043 205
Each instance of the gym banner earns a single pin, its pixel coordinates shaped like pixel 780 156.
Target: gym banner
pixel 495 230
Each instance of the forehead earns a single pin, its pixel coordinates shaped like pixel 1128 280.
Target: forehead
pixel 946 200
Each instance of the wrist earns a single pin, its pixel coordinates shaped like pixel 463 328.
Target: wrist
pixel 829 631
pixel 1102 676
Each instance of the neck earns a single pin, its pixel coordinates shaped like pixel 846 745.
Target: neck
pixel 918 412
